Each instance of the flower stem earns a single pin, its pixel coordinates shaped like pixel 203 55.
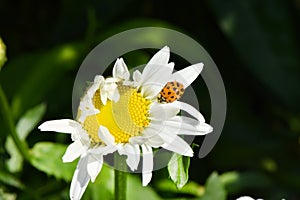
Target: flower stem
pixel 120 178
pixel 9 123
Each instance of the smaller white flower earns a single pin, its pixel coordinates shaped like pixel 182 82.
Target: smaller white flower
pixel 247 198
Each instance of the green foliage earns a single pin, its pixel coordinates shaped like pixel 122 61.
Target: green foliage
pixel 214 188
pixel 46 156
pixel 236 182
pixel 255 45
pixel 24 126
pixel 178 168
pixel 11 180
pixel 191 188
pixel 105 181
pixel 134 184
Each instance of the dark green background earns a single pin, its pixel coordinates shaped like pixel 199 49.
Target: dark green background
pixel 255 45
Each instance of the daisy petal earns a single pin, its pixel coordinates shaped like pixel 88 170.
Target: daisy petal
pixel 105 136
pixel 182 125
pixel 62 126
pixel 147 164
pixel 152 138
pixel 97 82
pixel 163 111
pixel 86 108
pixel 156 79
pixel 191 110
pixel 103 150
pixel 187 75
pixel 116 95
pixel 103 96
pixel 94 166
pixel 133 155
pixel 176 144
pixel 161 57
pixel 80 180
pixel 136 76
pixel 73 151
pixel 120 70
pixel 137 140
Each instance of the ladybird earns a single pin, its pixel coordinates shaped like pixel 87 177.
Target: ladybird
pixel 171 92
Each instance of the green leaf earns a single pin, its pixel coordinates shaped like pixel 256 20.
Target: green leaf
pixel 25 125
pixel 214 188
pixel 11 180
pixel 103 187
pixel 191 188
pixel 235 182
pixel 105 181
pixel 29 120
pixel 135 190
pixel 178 168
pixel 47 157
pixel 7 196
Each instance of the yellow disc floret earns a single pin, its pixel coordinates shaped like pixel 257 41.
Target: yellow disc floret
pixel 125 118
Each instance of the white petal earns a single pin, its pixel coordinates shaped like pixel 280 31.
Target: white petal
pixel 103 150
pixel 176 144
pixel 133 155
pixel 245 198
pixel 94 166
pixel 105 136
pixel 97 82
pixel 116 95
pixel 73 151
pixel 155 142
pixel 191 110
pixel 151 134
pixel 187 75
pixel 80 180
pixel 163 111
pixel 120 70
pixel 161 57
pixel 137 140
pixel 147 164
pixel 136 75
pixel 156 79
pixel 87 108
pixel 103 96
pixel 182 125
pixel 62 126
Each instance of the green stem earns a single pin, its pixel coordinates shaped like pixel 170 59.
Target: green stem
pixel 120 178
pixel 9 122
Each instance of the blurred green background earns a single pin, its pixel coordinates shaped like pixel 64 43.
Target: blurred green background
pixel 255 45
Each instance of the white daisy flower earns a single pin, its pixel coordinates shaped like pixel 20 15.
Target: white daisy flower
pixel 131 117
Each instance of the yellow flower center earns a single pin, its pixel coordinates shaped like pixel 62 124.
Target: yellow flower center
pixel 126 118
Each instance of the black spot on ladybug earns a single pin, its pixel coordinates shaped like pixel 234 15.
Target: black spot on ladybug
pixel 172 97
pixel 169 93
pixel 172 83
pixel 177 84
pixel 182 90
pixel 168 87
pixel 177 92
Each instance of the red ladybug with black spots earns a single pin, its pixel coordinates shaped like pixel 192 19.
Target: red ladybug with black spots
pixel 171 92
